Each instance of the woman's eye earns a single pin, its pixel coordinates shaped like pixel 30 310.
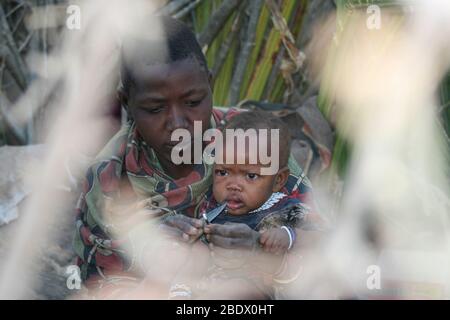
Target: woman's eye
pixel 154 110
pixel 193 103
pixel 221 173
pixel 252 176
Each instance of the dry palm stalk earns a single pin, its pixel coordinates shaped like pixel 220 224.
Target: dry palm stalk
pixel 291 66
pixel 216 22
pixel 320 12
pixel 271 80
pixel 287 38
pixel 238 77
pixel 226 45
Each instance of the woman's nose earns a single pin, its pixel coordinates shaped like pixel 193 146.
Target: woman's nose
pixel 177 119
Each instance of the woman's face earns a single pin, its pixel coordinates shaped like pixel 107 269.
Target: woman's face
pixel 166 97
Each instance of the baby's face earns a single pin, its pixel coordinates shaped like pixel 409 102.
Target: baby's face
pixel 240 183
pixel 242 187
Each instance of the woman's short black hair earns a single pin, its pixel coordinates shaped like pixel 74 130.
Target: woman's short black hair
pixel 176 42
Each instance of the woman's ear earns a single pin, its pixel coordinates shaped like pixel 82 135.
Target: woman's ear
pixel 211 80
pixel 281 179
pixel 122 96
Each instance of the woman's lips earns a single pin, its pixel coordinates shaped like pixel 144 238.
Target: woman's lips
pixel 179 144
pixel 172 144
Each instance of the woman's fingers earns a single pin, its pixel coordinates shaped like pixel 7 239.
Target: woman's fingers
pixel 233 235
pixel 198 223
pixel 219 229
pixel 230 230
pixel 182 227
pixel 232 243
pixel 223 242
pixel 191 227
pixel 174 232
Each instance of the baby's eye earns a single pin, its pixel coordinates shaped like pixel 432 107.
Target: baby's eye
pixel 221 173
pixel 252 176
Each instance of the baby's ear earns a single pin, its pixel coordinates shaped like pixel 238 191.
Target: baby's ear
pixel 281 179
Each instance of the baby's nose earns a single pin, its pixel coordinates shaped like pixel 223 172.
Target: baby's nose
pixel 234 187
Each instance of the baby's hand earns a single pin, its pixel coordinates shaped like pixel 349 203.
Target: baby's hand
pixel 275 240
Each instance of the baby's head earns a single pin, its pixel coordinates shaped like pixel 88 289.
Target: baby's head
pixel 244 186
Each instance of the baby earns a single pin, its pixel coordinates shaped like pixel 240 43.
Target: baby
pixel 248 197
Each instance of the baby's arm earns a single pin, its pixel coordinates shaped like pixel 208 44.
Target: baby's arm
pixel 277 240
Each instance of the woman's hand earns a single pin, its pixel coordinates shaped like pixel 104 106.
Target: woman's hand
pixel 242 240
pixel 232 236
pixel 182 227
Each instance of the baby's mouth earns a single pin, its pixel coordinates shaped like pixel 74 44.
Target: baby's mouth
pixel 234 203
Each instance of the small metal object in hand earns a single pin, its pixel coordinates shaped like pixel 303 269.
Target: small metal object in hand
pixel 211 215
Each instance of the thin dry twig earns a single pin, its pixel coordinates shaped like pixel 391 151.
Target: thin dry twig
pixel 17 7
pixel 19 21
pixel 14 129
pixel 180 14
pixel 26 41
pixel 173 6
pixel 14 61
